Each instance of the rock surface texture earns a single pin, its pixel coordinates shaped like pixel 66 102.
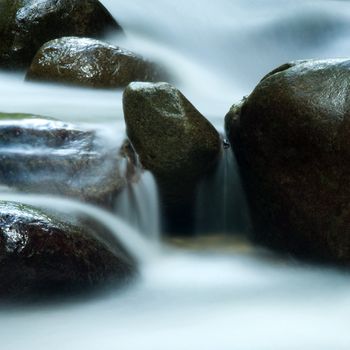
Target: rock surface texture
pixel 41 255
pixel 173 140
pixel 50 156
pixel 90 63
pixel 292 140
pixel 25 25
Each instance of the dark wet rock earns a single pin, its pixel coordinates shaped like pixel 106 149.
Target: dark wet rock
pixel 91 63
pixel 173 140
pixel 41 255
pixel 171 137
pixel 50 156
pixel 25 25
pixel 292 140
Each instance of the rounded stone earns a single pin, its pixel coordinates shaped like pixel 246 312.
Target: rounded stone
pixel 25 25
pixel 40 255
pixel 90 63
pixel 292 140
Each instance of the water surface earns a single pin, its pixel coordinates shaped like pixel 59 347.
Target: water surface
pixel 217 298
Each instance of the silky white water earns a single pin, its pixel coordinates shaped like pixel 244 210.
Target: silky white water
pixel 138 205
pixel 228 296
pixel 220 204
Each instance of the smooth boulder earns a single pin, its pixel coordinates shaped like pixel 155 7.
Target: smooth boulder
pixel 90 63
pixel 292 140
pixel 173 140
pixel 25 25
pixel 49 156
pixel 41 255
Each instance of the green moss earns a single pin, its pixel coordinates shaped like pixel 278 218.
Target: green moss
pixel 9 116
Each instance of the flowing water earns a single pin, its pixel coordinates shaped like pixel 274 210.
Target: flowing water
pixel 221 205
pixel 138 206
pixel 221 293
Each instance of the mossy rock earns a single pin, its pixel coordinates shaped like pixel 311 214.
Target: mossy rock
pixel 9 116
pixel 90 63
pixel 292 140
pixel 25 25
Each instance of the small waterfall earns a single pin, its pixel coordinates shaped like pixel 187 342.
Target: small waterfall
pixel 139 247
pixel 138 205
pixel 221 205
pixel 216 51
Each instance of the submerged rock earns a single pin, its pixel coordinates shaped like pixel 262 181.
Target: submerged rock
pixel 91 63
pixel 50 156
pixel 41 255
pixel 292 140
pixel 25 25
pixel 173 140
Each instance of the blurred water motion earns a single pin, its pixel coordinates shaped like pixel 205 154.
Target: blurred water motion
pixel 208 298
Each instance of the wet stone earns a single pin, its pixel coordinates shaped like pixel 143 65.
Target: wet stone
pixel 40 255
pixel 25 25
pixel 42 155
pixel 292 141
pixel 174 141
pixel 90 63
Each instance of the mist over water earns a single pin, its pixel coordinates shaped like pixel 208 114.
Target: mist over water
pixel 221 296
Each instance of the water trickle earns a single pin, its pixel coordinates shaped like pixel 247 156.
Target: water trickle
pixel 221 205
pixel 138 205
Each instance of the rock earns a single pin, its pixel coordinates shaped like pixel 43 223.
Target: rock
pixel 40 255
pixel 91 63
pixel 173 140
pixel 292 140
pixel 25 25
pixel 50 156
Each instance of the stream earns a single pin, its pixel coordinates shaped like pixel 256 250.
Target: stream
pixel 211 292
